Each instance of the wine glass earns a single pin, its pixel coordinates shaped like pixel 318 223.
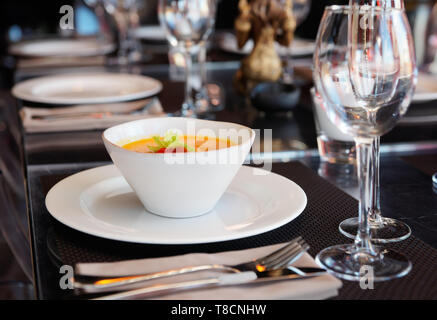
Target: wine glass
pixel 384 230
pixel 365 71
pixel 208 97
pixel 125 14
pixel 187 24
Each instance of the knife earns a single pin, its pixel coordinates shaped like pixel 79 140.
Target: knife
pixel 91 284
pixel 248 277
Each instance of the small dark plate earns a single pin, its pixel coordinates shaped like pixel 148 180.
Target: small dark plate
pixel 275 96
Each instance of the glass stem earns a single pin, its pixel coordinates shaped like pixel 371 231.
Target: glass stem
pixel 188 102
pixel 366 164
pixel 375 209
pixel 288 70
pixel 202 65
pixel 122 44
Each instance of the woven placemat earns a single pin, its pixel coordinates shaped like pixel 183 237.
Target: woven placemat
pixel 318 224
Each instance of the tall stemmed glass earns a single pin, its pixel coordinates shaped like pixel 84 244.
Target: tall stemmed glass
pixel 365 70
pixel 187 24
pixel 383 230
pixel 125 14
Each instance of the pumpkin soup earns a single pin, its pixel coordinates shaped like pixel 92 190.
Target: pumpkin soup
pixel 178 143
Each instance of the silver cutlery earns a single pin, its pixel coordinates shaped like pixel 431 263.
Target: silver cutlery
pixel 96 115
pixel 280 258
pixel 241 278
pixel 108 110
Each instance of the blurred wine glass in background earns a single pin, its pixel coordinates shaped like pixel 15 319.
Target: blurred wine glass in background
pixel 125 14
pixel 99 10
pixel 187 24
pixel 301 9
pixel 431 42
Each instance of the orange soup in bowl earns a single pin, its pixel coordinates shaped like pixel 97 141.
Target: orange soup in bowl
pixel 178 143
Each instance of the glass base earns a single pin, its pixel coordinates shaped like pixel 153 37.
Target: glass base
pixel 386 231
pixel 343 261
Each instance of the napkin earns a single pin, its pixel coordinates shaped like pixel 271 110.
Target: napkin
pixel 46 62
pixel 88 117
pixel 316 288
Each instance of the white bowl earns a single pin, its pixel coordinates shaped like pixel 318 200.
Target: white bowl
pixel 178 185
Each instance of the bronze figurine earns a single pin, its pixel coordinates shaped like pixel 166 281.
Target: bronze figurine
pixel 263 21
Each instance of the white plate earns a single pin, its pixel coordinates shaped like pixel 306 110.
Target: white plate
pixel 151 33
pixel 299 47
pixel 87 88
pixel 100 202
pixel 426 89
pixel 61 48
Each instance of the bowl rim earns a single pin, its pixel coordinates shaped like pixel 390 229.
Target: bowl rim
pixel 249 141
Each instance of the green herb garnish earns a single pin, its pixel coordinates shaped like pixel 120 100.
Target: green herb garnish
pixel 171 140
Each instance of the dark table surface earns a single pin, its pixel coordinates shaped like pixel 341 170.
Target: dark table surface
pixel 406 194
pixel 409 156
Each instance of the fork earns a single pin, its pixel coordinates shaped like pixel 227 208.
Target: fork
pixel 277 259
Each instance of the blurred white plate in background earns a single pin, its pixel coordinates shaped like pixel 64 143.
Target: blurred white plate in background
pixel 61 48
pixel 150 33
pixel 424 112
pixel 426 89
pixel 87 88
